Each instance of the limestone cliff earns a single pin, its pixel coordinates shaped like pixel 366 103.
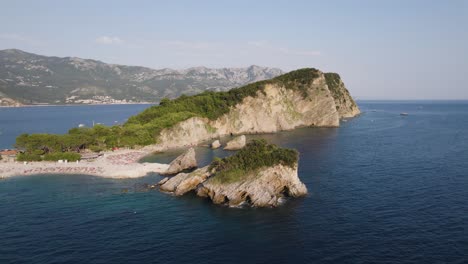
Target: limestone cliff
pixel 345 104
pixel 265 187
pixel 259 175
pixel 320 101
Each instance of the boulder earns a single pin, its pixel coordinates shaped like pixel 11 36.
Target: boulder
pixel 236 143
pixel 183 162
pixel 185 182
pixel 161 182
pixel 216 144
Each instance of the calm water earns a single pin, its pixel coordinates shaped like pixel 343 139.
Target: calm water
pixel 383 189
pixel 59 119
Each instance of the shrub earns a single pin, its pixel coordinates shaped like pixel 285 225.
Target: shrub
pixel 28 157
pixel 255 155
pixel 70 156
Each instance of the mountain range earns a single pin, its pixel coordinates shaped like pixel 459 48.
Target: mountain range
pixel 31 79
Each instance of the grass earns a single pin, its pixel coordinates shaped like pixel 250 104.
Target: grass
pixel 255 155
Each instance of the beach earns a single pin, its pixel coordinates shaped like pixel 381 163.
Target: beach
pixel 116 164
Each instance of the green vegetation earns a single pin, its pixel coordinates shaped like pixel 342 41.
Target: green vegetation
pixel 70 156
pixel 334 84
pixel 215 104
pixel 333 81
pixel 89 78
pixel 253 156
pixel 28 157
pixel 144 128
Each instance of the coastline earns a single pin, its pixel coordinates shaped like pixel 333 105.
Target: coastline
pixel 45 105
pixel 117 164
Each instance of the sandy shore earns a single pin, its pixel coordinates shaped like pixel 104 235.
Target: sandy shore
pixel 118 164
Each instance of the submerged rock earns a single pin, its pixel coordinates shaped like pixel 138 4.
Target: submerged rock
pixel 236 144
pixel 216 144
pixel 183 162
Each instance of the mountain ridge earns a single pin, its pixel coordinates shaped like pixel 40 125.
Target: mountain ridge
pixel 28 78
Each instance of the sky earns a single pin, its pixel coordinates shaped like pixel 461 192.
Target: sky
pixel 382 49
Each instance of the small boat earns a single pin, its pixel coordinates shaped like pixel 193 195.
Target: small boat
pixel 403 114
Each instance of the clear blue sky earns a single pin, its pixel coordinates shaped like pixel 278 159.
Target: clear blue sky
pixel 382 49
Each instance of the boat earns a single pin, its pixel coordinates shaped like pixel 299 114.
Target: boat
pixel 403 114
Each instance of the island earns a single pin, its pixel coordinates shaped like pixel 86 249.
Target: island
pixel 258 175
pixel 301 98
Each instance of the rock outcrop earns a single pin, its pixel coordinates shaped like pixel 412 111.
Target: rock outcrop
pixel 183 162
pixel 216 144
pixel 236 143
pixel 345 104
pixel 266 187
pixel 260 175
pixel 184 182
pixel 263 188
pixel 274 108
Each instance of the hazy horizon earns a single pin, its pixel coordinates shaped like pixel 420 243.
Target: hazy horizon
pixel 383 51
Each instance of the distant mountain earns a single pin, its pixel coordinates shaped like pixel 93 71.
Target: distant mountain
pixel 27 78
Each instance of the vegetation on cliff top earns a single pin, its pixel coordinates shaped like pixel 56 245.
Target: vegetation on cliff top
pixel 255 155
pixel 144 128
pixel 334 84
pixel 215 104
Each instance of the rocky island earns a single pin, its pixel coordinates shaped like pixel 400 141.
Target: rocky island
pixel 305 97
pixel 259 175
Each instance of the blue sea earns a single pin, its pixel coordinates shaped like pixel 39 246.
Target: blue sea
pixel 383 188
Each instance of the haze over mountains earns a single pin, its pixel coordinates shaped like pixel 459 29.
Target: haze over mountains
pixel 27 78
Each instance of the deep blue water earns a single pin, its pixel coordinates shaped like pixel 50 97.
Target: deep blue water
pixel 383 189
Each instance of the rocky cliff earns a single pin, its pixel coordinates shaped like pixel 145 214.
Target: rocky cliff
pixel 260 175
pixel 266 187
pixel 277 105
pixel 305 97
pixel 345 105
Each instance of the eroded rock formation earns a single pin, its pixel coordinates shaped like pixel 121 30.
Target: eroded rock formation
pixel 185 161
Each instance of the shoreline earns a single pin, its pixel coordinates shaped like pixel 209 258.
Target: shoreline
pixel 45 105
pixel 118 164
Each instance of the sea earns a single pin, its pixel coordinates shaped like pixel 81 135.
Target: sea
pixel 383 188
